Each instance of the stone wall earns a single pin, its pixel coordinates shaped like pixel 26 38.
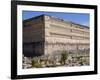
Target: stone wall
pixel 33 36
pixel 61 35
pixel 46 35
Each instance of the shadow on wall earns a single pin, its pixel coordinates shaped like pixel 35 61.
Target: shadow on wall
pixel 33 49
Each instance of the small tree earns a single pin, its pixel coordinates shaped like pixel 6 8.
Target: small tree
pixel 36 63
pixel 64 56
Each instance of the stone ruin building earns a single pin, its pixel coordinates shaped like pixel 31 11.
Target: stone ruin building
pixel 48 35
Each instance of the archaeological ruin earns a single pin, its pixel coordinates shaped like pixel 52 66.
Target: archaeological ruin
pixel 46 34
pixel 43 35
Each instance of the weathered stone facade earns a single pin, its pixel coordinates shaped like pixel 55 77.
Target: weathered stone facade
pixel 48 35
pixel 33 36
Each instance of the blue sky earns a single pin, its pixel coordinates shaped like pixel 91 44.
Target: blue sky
pixel 80 18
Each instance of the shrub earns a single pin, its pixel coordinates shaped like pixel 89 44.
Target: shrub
pixel 35 63
pixel 64 56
